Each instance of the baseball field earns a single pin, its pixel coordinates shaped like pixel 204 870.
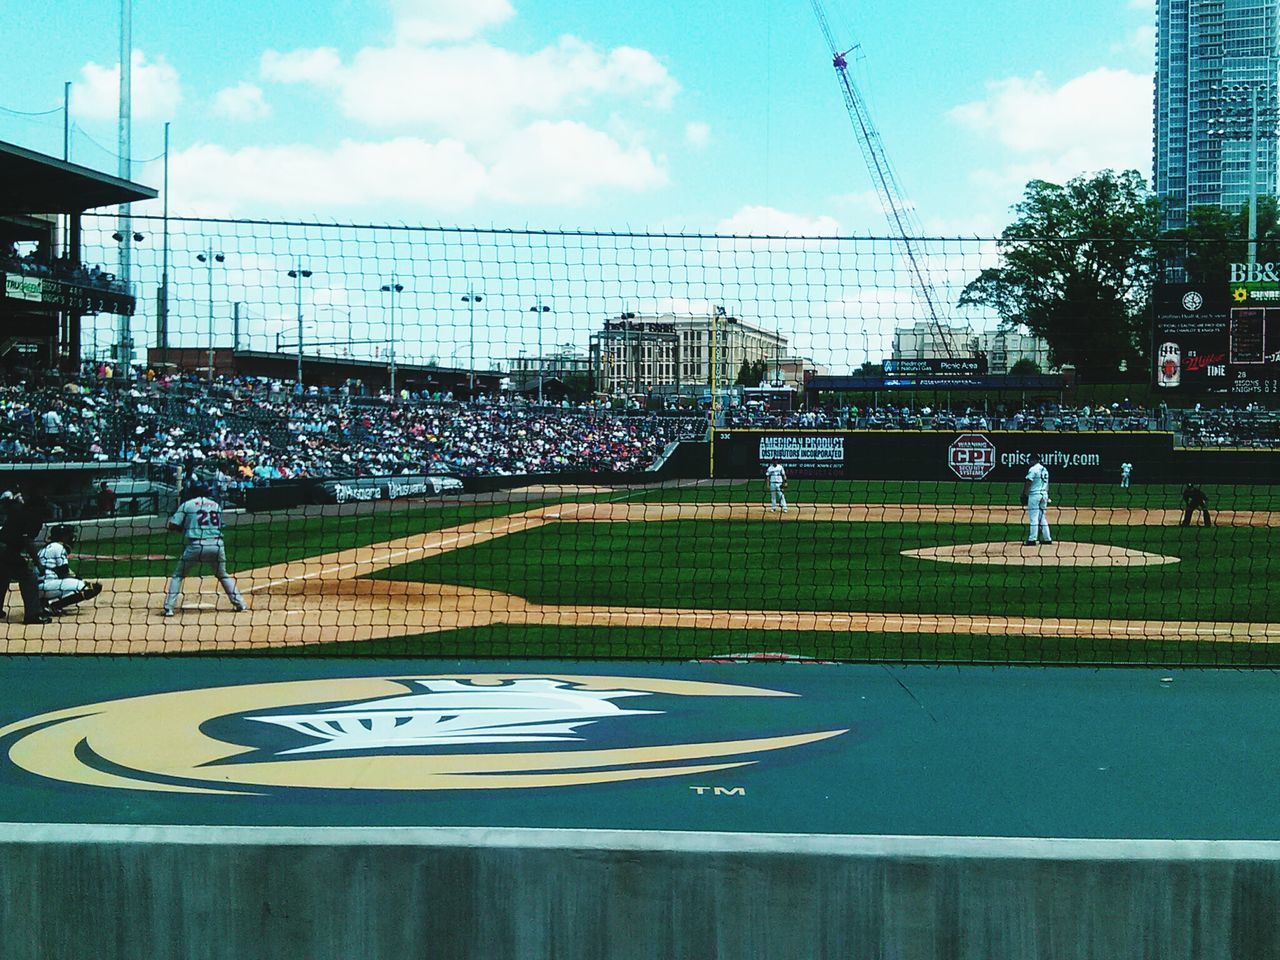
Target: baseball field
pixel 854 570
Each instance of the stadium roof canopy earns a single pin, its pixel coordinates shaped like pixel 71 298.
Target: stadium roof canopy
pixel 32 182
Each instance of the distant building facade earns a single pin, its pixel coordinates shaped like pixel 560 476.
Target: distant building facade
pixel 1005 346
pixel 672 354
pixel 926 341
pixel 1217 63
pixel 565 363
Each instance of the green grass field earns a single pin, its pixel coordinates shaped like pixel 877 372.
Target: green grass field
pixel 1142 497
pixel 1225 574
pixel 760 565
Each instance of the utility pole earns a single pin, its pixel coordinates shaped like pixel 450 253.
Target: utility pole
pixel 209 259
pixel 471 299
pixel 124 151
pixel 393 288
pixel 539 309
pixel 299 274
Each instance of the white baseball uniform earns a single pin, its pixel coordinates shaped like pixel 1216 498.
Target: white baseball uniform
pixel 1038 503
pixel 53 586
pixel 776 476
pixel 1126 470
pixel 200 519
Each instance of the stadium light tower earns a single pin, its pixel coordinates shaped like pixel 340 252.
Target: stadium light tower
pixel 393 288
pixel 124 155
pixel 540 309
pixel 299 274
pixel 471 299
pixel 209 259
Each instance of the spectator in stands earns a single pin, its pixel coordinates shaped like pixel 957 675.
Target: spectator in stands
pixel 106 502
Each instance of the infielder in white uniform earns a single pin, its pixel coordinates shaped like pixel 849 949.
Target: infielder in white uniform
pixel 59 589
pixel 200 519
pixel 776 476
pixel 1126 471
pixel 1035 494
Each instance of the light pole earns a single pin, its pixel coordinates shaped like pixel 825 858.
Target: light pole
pixel 1231 127
pixel 123 348
pixel 299 274
pixel 393 288
pixel 471 299
pixel 539 309
pixel 209 259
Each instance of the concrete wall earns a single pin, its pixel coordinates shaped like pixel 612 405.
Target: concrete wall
pixel 70 892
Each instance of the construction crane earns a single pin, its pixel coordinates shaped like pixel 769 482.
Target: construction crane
pixel 902 222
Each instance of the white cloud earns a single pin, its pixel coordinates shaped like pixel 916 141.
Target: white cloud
pixel 1099 120
pixel 211 180
pixel 475 89
pixel 567 162
pixel 697 134
pixel 769 221
pixel 429 21
pixel 241 102
pixel 545 163
pixel 320 65
pixel 155 89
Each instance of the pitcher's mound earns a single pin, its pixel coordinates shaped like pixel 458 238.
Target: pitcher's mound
pixel 1056 554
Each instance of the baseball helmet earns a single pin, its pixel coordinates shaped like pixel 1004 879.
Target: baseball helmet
pixel 63 534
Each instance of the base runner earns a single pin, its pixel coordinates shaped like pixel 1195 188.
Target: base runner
pixel 200 519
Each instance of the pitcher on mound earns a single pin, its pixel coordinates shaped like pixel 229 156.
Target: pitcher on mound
pixel 777 477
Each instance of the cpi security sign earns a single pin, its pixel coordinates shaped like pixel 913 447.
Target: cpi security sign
pixel 971 456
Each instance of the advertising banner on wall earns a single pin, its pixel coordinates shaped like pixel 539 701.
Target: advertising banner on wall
pixel 17 286
pixel 1208 338
pixel 67 296
pixel 803 455
pixel 990 456
pixel 365 489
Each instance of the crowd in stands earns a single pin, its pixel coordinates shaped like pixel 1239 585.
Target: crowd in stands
pixel 1047 416
pixel 251 431
pixel 59 268
pixel 1253 426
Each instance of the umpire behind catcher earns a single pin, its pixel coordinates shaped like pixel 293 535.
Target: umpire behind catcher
pixel 18 554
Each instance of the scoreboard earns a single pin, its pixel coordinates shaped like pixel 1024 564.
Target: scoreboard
pixel 1215 338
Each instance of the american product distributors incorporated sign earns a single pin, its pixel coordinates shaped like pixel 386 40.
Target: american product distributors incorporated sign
pixel 804 454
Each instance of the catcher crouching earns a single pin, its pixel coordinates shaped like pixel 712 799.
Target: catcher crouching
pixel 59 588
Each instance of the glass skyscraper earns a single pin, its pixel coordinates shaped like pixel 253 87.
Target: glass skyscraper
pixel 1217 67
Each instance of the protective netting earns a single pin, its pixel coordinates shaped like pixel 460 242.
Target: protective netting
pixel 392 440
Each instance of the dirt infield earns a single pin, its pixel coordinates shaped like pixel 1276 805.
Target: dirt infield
pixel 1056 554
pixel 323 600
pixel 903 513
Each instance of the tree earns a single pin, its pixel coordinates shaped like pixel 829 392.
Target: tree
pixel 751 374
pixel 1215 238
pixel 1076 267
pixel 1026 367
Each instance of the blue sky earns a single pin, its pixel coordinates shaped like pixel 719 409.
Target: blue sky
pixel 594 113
pixel 588 114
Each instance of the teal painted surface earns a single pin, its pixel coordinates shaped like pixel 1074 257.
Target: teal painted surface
pixel 969 751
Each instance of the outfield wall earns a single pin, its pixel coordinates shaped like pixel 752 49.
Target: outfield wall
pixel 978 456
pixel 228 893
